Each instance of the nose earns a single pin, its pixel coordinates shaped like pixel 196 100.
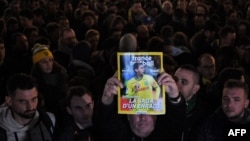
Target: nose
pixel 30 106
pixel 229 103
pixel 178 83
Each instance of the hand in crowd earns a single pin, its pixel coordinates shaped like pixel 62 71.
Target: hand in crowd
pixel 168 82
pixel 111 89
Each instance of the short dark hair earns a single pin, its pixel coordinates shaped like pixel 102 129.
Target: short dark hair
pixel 243 41
pixel 20 81
pixel 204 55
pixel 52 26
pixel 193 69
pixel 230 73
pixel 28 30
pixel 203 6
pixel 135 1
pixel 27 13
pixel 233 83
pixel 136 65
pixel 63 30
pixel 39 11
pixel 225 30
pixel 88 13
pixel 76 91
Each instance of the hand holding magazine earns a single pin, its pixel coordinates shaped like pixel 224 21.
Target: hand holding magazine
pixel 154 102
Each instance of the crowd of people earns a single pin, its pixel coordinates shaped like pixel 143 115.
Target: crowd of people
pixel 58 66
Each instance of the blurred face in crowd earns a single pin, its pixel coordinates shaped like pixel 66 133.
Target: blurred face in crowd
pixel 25 22
pixel 69 38
pixel 137 8
pixel 113 8
pixel 89 21
pixel 81 108
pixel 84 7
pixel 119 25
pixel 200 16
pixel 229 40
pixel 54 35
pixel 234 102
pixel 22 43
pixel 185 81
pixel 227 6
pixel 68 8
pixel 192 6
pixel 23 104
pixel 233 18
pixel 32 37
pixel 35 4
pixel 142 32
pixel 64 23
pixel 142 125
pixel 46 65
pixel 242 29
pixel 182 4
pixel 52 7
pixel 210 35
pixel 93 41
pixel 207 67
pixel 102 6
pixel 16 8
pixel 244 53
pixel 167 7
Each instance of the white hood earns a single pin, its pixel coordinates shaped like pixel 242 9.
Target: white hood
pixel 14 130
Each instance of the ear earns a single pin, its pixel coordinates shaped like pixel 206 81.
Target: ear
pixel 246 103
pixel 196 89
pixel 69 110
pixel 8 100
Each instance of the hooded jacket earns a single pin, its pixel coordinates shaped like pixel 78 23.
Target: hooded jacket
pixel 36 130
pixel 217 127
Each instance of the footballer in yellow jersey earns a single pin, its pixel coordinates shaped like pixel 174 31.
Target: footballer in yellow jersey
pixel 142 85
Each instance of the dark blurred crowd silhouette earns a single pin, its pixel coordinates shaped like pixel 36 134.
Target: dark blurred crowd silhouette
pixel 69 43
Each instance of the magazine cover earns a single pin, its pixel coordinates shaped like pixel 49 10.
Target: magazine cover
pixel 141 95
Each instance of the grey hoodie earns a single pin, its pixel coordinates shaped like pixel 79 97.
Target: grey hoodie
pixel 34 131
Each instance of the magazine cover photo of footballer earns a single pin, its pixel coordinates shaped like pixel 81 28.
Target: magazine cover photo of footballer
pixel 141 95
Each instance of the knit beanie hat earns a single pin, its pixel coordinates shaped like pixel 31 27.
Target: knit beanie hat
pixel 40 52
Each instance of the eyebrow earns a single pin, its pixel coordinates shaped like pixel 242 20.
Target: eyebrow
pixel 27 99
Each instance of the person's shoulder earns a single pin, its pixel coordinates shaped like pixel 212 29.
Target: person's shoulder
pixel 147 76
pixel 131 79
pixel 3 109
pixel 48 118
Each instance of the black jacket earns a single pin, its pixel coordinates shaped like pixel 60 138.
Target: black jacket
pixel 217 127
pixel 69 131
pixel 114 127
